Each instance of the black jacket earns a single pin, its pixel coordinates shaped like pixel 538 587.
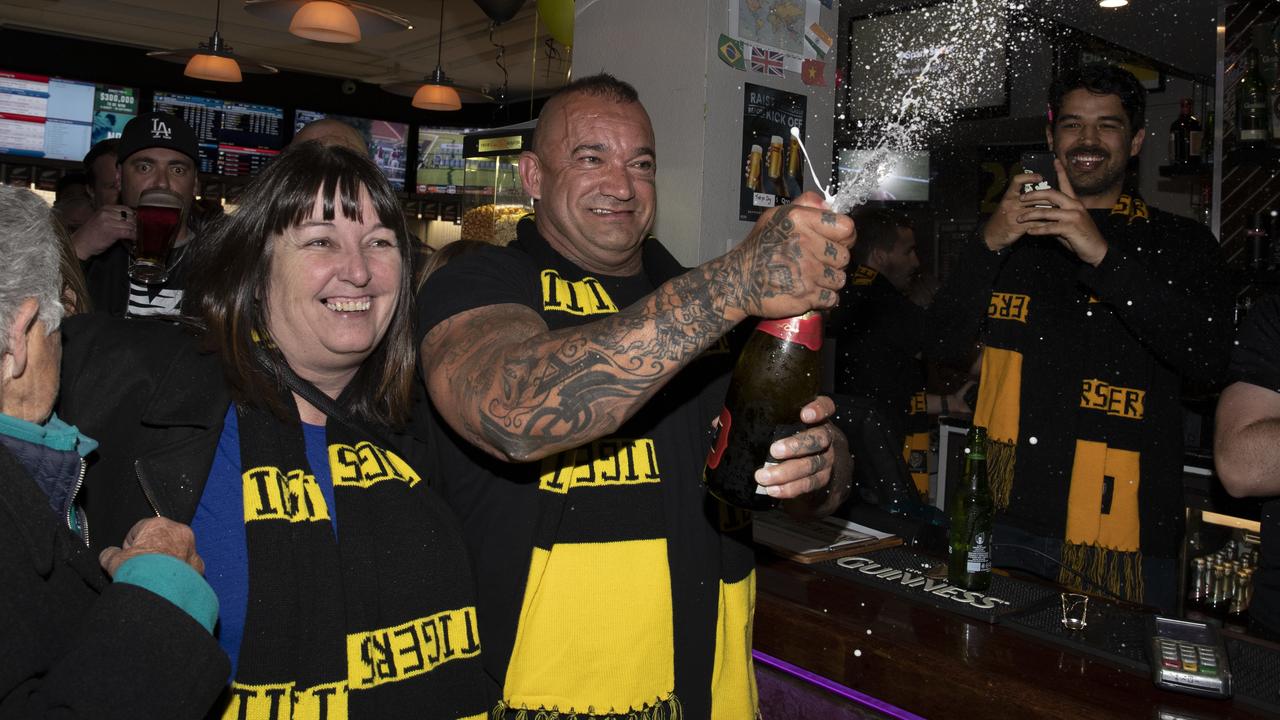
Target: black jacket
pixel 155 403
pixel 106 277
pixel 78 646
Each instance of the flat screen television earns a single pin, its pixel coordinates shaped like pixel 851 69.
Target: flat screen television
pixel 906 180
pixel 237 139
pixel 58 118
pixel 388 141
pixel 441 164
pixel 887 50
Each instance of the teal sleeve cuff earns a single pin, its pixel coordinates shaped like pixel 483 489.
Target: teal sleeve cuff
pixel 175 581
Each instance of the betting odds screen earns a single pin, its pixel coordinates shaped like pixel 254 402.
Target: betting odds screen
pixel 237 139
pixel 58 118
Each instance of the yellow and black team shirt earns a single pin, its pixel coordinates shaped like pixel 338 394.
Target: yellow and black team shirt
pixel 611 583
pixel 1083 368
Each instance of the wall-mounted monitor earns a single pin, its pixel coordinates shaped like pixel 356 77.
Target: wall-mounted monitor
pixel 963 50
pixel 904 178
pixel 388 141
pixel 57 118
pixel 236 139
pixel 441 164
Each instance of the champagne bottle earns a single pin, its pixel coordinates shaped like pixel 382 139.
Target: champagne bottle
pixel 776 375
pixel 1185 135
pixel 1252 109
pixel 969 556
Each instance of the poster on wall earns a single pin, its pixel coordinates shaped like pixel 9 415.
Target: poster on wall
pixel 779 25
pixel 772 163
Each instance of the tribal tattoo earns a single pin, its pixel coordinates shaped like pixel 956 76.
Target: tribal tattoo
pixel 523 392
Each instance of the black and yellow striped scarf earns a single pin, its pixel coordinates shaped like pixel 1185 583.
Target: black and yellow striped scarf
pixel 377 622
pixel 1102 528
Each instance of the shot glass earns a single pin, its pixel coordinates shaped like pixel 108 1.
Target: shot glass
pixel 1075 611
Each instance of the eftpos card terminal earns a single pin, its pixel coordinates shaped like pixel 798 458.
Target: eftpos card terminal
pixel 1189 657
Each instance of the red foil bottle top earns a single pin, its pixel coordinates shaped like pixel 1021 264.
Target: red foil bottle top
pixel 805 329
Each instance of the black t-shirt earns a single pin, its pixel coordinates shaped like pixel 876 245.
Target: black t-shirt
pixel 878 334
pixel 1255 359
pixel 588 558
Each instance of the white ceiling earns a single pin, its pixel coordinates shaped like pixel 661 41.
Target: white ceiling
pixel 468 55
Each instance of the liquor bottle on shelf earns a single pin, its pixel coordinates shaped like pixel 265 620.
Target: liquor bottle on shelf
pixel 776 375
pixel 969 549
pixel 1198 588
pixel 1185 137
pixel 1253 111
pixel 1221 596
pixel 1238 611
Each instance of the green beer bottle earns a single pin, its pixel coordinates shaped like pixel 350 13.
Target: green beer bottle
pixel 777 373
pixel 969 557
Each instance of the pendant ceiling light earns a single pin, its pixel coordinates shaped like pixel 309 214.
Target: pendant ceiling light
pixel 1112 3
pixel 325 21
pixel 330 21
pixel 438 93
pixel 213 60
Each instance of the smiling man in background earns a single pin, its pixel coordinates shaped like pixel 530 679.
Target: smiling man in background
pixel 1093 309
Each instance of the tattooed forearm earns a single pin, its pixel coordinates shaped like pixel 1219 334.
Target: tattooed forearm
pixel 559 389
pixel 522 392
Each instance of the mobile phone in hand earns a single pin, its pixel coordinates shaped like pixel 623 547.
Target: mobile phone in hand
pixel 1040 163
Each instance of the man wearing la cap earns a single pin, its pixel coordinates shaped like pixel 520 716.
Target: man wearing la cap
pixel 155 150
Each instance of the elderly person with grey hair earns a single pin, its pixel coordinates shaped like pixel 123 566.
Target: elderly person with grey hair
pixel 133 641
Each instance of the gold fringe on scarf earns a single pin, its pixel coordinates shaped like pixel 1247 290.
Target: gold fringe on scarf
pixel 1120 573
pixel 998 408
pixel 669 709
pixel 1001 460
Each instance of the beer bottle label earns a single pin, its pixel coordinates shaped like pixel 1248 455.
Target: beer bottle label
pixel 803 329
pixel 978 559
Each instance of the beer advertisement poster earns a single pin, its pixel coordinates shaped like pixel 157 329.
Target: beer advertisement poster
pixel 772 162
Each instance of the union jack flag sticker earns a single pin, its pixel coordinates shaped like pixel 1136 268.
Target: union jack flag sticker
pixel 765 61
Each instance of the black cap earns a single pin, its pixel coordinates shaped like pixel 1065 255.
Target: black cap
pixel 158 130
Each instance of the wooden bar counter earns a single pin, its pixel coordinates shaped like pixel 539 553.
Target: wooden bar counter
pixel 938 664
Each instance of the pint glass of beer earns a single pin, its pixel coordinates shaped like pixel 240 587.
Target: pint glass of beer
pixel 774 166
pixel 753 168
pixel 159 215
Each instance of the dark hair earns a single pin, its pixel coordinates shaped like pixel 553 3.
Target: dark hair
pixel 877 230
pixel 439 257
pixel 1101 79
pixel 100 148
pixel 72 275
pixel 230 268
pixel 69 180
pixel 600 85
